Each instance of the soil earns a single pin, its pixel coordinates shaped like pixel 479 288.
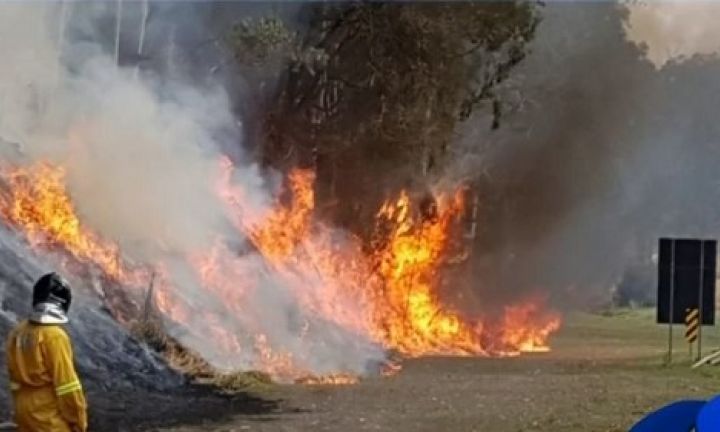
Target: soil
pixel 604 373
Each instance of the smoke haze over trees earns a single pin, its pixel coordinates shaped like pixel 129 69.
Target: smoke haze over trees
pixel 597 154
pixel 371 93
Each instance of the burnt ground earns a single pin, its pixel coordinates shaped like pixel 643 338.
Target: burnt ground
pixel 604 373
pixel 140 410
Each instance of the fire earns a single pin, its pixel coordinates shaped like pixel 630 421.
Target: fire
pixel 409 316
pixel 518 329
pixel 287 226
pixel 39 205
pixel 386 293
pixel 390 293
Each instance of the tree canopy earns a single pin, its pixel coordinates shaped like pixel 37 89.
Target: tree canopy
pixel 370 94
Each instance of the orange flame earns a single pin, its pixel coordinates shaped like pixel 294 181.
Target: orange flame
pixel 520 329
pixel 409 316
pixel 388 293
pixel 394 286
pixel 40 206
pixel 286 227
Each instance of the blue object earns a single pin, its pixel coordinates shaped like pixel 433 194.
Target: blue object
pixel 709 418
pixel 679 416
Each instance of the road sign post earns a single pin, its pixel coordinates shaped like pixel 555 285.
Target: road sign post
pixel 692 328
pixel 686 287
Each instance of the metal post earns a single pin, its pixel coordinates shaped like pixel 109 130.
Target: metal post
pixel 700 300
pixel 672 298
pixel 690 346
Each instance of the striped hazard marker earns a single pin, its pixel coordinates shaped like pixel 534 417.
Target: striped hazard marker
pixel 692 325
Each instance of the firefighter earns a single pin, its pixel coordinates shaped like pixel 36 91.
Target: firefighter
pixel 46 390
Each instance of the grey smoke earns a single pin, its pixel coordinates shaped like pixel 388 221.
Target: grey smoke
pixel 600 153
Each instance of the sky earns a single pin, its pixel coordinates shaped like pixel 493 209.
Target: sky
pixel 672 29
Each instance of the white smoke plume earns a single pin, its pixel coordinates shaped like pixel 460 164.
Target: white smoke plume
pixel 140 163
pixel 141 153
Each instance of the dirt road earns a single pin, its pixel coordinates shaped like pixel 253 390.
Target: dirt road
pixel 602 375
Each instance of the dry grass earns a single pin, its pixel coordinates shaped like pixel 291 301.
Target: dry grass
pixel 151 331
pixel 240 381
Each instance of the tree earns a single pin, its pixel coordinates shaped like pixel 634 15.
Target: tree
pixel 371 93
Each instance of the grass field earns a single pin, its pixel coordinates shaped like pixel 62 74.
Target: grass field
pixel 605 372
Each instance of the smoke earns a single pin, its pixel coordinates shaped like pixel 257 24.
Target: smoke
pixel 672 29
pixel 600 153
pixel 141 145
pixel 140 155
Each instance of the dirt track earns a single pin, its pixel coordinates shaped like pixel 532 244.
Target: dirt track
pixel 604 373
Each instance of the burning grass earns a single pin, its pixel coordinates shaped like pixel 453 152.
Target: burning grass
pixel 384 293
pixel 152 333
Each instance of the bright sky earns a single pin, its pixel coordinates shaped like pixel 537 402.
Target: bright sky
pixel 675 28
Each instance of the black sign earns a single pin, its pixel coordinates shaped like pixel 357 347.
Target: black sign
pixel 686 280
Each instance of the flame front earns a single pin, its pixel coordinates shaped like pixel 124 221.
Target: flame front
pixel 520 327
pixel 386 294
pixel 408 316
pixel 36 202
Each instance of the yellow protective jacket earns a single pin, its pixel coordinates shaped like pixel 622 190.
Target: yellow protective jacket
pixel 45 387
